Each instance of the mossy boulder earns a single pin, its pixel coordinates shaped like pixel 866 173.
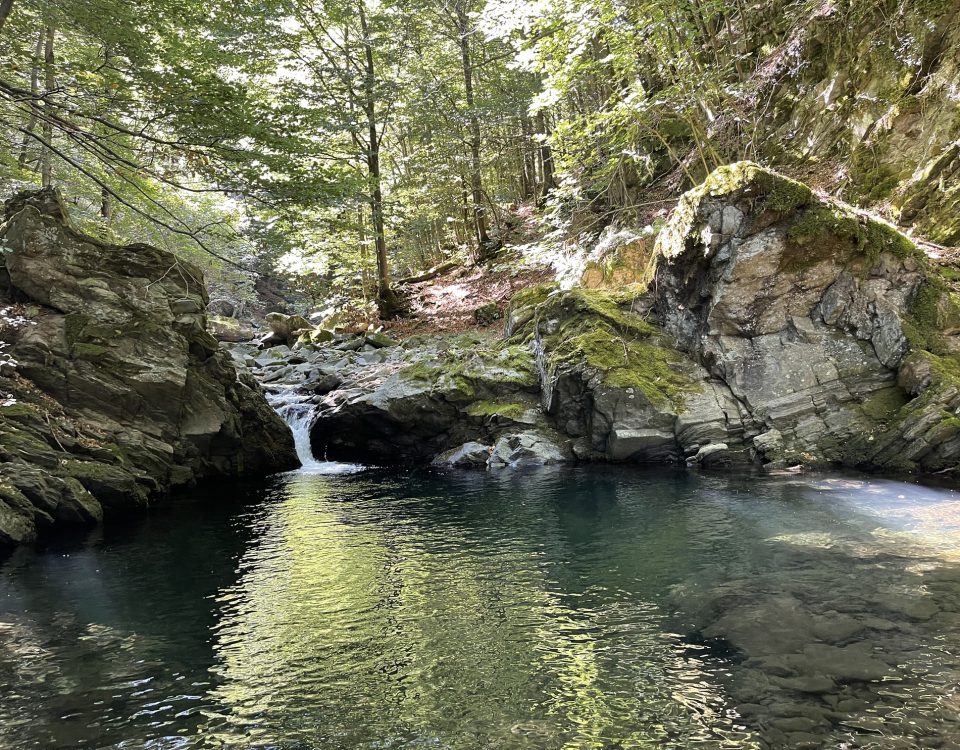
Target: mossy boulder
pixel 614 382
pixel 427 397
pixel 808 309
pixel 118 391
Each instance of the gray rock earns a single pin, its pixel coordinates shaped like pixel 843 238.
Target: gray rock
pixel 471 455
pixel 528 448
pixel 380 340
pixel 116 351
pixel 287 327
pixel 714 454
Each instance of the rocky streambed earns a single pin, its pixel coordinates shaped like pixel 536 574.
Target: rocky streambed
pixel 775 328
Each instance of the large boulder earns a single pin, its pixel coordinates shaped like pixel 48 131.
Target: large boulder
pixel 615 384
pixel 117 392
pixel 287 327
pixel 832 330
pixel 413 402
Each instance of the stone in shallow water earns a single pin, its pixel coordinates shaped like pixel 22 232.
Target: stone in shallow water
pixel 914 607
pixel 776 625
pixel 795 724
pixel 835 628
pixel 844 663
pixel 468 455
pixel 808 684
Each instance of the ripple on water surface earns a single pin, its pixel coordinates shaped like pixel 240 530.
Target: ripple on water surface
pixel 562 608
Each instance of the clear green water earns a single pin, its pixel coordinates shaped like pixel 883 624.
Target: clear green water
pixel 567 608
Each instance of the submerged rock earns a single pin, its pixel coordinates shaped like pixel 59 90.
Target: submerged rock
pixel 118 392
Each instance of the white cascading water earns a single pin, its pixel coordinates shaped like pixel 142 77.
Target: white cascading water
pixel 297 412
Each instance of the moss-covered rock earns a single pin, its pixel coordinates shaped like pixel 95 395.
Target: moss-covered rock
pixel 119 391
pixel 807 310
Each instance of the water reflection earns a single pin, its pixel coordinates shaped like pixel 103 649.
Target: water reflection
pixel 562 608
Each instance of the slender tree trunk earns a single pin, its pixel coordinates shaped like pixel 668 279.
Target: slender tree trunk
pixel 5 7
pixel 387 300
pixel 34 93
pixel 476 179
pixel 546 157
pixel 46 158
pixel 529 158
pixel 364 254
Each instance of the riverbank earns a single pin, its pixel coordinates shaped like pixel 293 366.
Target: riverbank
pixel 767 326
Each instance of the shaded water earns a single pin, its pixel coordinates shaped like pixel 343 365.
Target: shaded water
pixel 560 608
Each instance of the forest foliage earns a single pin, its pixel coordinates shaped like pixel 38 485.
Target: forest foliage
pixel 349 142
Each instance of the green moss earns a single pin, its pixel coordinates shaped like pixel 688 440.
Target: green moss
pixel 782 194
pixel 74 325
pixel 931 310
pixel 871 180
pixel 532 295
pixel 90 352
pixel 604 305
pixel 624 362
pixel 779 193
pixel 509 409
pixel 13 496
pixel 949 273
pixel 419 371
pixel 828 230
pixel 882 406
pixel 820 221
pixel 19 411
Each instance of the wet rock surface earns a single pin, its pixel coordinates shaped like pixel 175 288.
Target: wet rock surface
pixel 113 391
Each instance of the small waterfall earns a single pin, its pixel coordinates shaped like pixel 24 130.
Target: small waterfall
pixel 297 412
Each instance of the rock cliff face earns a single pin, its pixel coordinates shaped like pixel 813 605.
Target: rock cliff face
pixel 780 328
pixel 111 389
pixel 832 331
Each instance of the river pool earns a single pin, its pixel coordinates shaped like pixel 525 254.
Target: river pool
pixel 557 608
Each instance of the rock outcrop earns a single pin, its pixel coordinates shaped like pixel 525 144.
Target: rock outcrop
pixel 112 391
pixel 831 330
pixel 779 328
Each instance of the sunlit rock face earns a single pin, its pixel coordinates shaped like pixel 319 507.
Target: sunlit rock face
pixel 779 328
pixel 112 390
pixel 816 318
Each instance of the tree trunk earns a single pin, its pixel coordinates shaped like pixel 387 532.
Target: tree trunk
pixel 46 160
pixel 546 157
pixel 387 300
pixel 34 93
pixel 476 179
pixel 5 7
pixel 364 254
pixel 529 178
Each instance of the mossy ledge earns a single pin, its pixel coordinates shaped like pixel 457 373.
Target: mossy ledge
pixel 592 329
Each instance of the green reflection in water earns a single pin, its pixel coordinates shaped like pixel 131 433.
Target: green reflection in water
pixel 362 625
pixel 562 609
